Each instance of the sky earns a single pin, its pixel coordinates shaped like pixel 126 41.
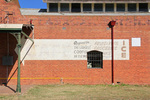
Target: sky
pixel 32 4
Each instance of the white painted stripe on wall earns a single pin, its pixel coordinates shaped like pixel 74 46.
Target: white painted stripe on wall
pixel 74 49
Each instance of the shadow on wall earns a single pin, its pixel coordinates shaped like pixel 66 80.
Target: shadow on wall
pixel 8 47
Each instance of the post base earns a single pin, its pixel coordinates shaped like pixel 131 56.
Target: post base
pixel 18 89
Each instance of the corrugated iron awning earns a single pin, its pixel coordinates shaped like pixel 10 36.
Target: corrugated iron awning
pixel 16 30
pixel 13 27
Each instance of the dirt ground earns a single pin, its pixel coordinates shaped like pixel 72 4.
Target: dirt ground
pixel 11 89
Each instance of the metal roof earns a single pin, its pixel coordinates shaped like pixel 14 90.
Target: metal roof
pixel 12 27
pixel 25 11
pixel 96 1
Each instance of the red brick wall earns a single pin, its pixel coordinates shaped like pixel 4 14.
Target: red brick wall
pixel 133 71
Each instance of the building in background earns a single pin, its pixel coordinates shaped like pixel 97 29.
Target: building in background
pixel 73 42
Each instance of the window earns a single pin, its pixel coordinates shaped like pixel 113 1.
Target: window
pixel 109 7
pixel 120 7
pixel 132 7
pixel 98 7
pixel 76 7
pixel 87 7
pixel 64 7
pixel 53 7
pixel 143 7
pixel 94 59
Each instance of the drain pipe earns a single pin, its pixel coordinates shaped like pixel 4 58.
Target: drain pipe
pixel 27 37
pixel 111 25
pixel 31 44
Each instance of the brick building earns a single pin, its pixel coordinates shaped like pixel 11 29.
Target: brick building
pixel 73 42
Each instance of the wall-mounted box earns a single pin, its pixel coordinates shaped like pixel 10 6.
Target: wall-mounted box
pixel 7 60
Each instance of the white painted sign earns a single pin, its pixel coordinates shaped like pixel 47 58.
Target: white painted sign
pixel 136 42
pixel 74 49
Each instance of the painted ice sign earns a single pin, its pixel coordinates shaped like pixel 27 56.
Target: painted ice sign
pixel 75 49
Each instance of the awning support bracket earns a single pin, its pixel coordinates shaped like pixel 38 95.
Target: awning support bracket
pixel 18 38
